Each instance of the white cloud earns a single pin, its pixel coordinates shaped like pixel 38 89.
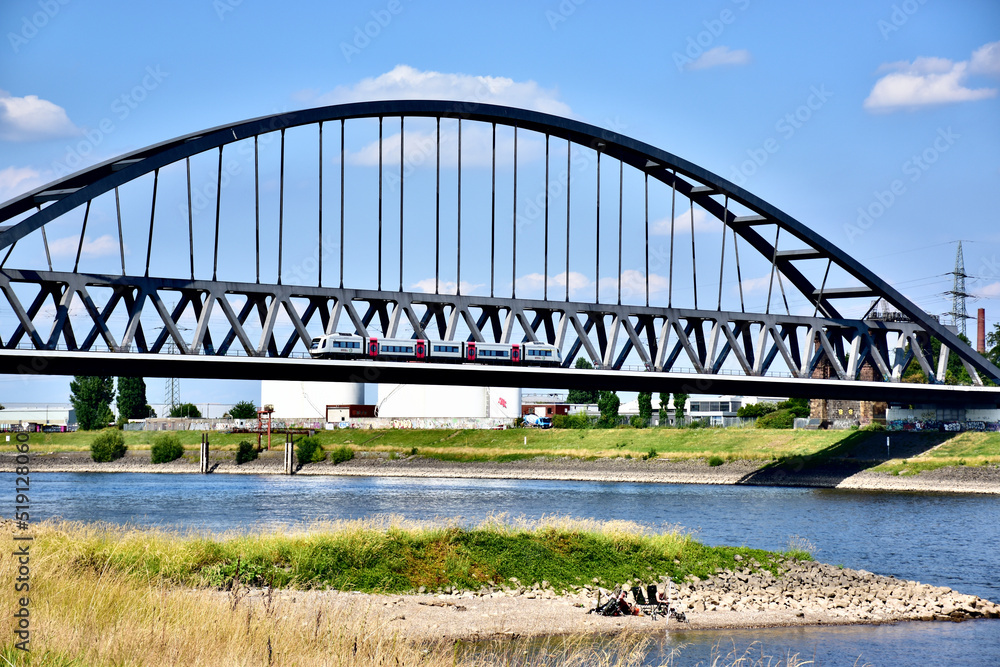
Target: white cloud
pixel 986 59
pixel 420 148
pixel 991 291
pixel 29 118
pixel 407 83
pixel 444 287
pixel 533 282
pixel 760 284
pixel 15 181
pixel 719 56
pixel 703 222
pixel 928 81
pixel 99 247
pixel 633 284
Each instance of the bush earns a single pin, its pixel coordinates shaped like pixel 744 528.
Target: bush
pixel 637 422
pixel 107 445
pixel 341 454
pixel 779 419
pixel 578 420
pixel 651 454
pixel 874 426
pixel 698 423
pixel 715 461
pixel 166 448
pixel 309 450
pixel 245 452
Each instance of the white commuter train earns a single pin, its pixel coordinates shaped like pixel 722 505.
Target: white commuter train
pixel 353 346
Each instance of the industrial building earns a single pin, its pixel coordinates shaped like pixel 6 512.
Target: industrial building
pixel 30 417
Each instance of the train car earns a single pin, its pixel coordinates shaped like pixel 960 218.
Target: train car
pixel 442 351
pixel 397 348
pixel 337 345
pixel 493 353
pixel 541 354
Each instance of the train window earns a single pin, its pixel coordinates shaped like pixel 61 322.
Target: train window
pixel 315 343
pixel 446 348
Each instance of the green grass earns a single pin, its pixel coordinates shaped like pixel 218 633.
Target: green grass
pixel 390 557
pixel 790 448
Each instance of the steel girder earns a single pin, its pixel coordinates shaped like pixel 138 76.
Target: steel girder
pixel 690 180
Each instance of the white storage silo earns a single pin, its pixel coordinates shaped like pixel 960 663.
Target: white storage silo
pixel 308 400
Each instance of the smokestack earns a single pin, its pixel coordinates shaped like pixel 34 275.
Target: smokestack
pixel 981 326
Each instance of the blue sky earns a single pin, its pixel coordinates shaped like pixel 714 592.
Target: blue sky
pixel 818 108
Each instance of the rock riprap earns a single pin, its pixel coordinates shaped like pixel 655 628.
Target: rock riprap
pixel 815 588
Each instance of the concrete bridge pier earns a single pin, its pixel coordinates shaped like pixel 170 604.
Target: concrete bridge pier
pixel 289 455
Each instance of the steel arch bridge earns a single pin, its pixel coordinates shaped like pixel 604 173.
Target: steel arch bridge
pixel 223 253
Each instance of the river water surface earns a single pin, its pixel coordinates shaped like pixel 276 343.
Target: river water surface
pixel 942 539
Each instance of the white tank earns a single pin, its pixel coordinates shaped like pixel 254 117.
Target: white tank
pixel 401 401
pixel 308 400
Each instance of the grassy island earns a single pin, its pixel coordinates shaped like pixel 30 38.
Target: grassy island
pixel 118 595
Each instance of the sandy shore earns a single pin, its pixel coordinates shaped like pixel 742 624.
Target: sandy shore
pixel 960 479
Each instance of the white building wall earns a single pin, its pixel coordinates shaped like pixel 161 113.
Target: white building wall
pixel 399 401
pixel 308 400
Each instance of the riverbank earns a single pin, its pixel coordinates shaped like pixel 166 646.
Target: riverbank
pixel 800 472
pixel 158 597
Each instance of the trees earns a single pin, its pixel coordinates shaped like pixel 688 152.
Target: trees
pixel 243 410
pixel 608 403
pixel 755 410
pixel 664 405
pixel 91 396
pixel 645 407
pixel 993 345
pixel 954 374
pixel 582 395
pixel 680 400
pixel 189 410
pixel 132 399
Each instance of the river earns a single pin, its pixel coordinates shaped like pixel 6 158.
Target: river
pixel 940 539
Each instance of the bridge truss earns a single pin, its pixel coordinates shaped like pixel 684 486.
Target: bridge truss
pixel 231 260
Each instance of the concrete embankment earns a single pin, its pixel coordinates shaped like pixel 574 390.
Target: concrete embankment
pixel 957 479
